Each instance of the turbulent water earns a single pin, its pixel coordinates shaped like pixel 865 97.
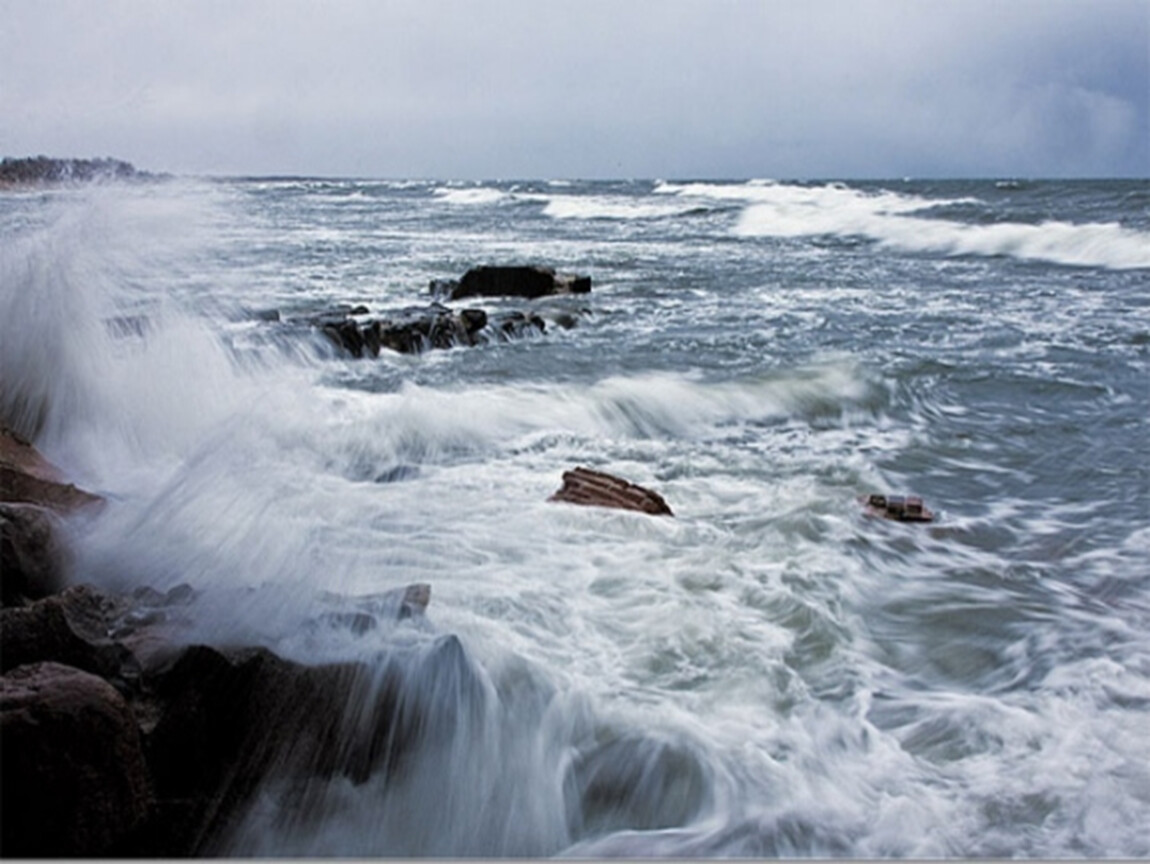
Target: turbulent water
pixel 771 672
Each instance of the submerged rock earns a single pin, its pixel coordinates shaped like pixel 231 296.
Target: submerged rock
pixel 515 281
pixel 900 508
pixel 598 489
pixel 74 778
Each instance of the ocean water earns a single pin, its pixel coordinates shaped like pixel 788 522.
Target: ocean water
pixel 769 673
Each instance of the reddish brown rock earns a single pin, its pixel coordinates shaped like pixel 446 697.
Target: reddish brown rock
pixel 597 489
pixel 74 778
pixel 28 477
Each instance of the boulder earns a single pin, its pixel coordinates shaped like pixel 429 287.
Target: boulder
pixel 75 783
pixel 34 560
pixel 71 627
pixel 598 489
pixel 516 281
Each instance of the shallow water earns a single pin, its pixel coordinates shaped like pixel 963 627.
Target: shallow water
pixel 769 673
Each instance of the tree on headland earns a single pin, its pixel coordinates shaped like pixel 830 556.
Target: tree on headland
pixel 43 169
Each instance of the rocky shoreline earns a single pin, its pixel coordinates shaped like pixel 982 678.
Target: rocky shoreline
pixel 124 736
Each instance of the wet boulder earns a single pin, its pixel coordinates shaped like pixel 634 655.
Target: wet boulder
pixel 528 282
pixel 75 783
pixel 599 489
pixel 34 559
pixel 71 627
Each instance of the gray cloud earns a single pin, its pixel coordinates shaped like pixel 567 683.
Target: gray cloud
pixel 510 88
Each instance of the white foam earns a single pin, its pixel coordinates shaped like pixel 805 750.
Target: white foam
pixel 470 196
pixel 835 209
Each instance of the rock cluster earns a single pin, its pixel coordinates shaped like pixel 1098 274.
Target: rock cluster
pixel 122 737
pixel 437 326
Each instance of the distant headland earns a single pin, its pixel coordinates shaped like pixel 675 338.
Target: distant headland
pixel 41 170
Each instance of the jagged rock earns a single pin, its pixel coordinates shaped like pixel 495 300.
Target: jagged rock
pixel 71 627
pixel 517 281
pixel 34 561
pixel 595 488
pixel 407 332
pixel 26 476
pixel 75 782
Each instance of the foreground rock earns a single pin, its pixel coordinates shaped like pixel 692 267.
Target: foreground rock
pixel 526 282
pixel 597 489
pixel 120 740
pixel 74 778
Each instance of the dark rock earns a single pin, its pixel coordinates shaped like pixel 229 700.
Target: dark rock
pixel 34 561
pixel 409 331
pixel 28 477
pixel 515 325
pixel 595 488
pixel 526 282
pixel 900 508
pixel 75 783
pixel 228 717
pixel 71 627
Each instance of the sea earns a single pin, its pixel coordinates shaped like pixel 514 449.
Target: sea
pixel 771 672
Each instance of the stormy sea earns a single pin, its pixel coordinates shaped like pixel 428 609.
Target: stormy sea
pixel 771 671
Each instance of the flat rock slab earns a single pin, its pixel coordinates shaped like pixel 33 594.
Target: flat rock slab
pixel 598 489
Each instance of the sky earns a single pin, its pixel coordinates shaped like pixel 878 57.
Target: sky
pixel 515 89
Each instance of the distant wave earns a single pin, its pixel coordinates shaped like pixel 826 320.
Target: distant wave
pixel 623 208
pixel 470 195
pixel 788 210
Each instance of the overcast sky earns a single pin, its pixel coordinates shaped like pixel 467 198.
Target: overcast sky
pixel 490 89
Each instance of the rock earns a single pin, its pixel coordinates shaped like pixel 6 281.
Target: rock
pixel 526 282
pixel 75 782
pixel 595 488
pixel 71 627
pixel 34 561
pixel 900 508
pixel 26 476
pixel 410 331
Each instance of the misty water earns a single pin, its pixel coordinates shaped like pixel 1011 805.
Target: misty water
pixel 770 672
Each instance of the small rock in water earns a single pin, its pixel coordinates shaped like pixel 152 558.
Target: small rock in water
pixel 598 489
pixel 901 508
